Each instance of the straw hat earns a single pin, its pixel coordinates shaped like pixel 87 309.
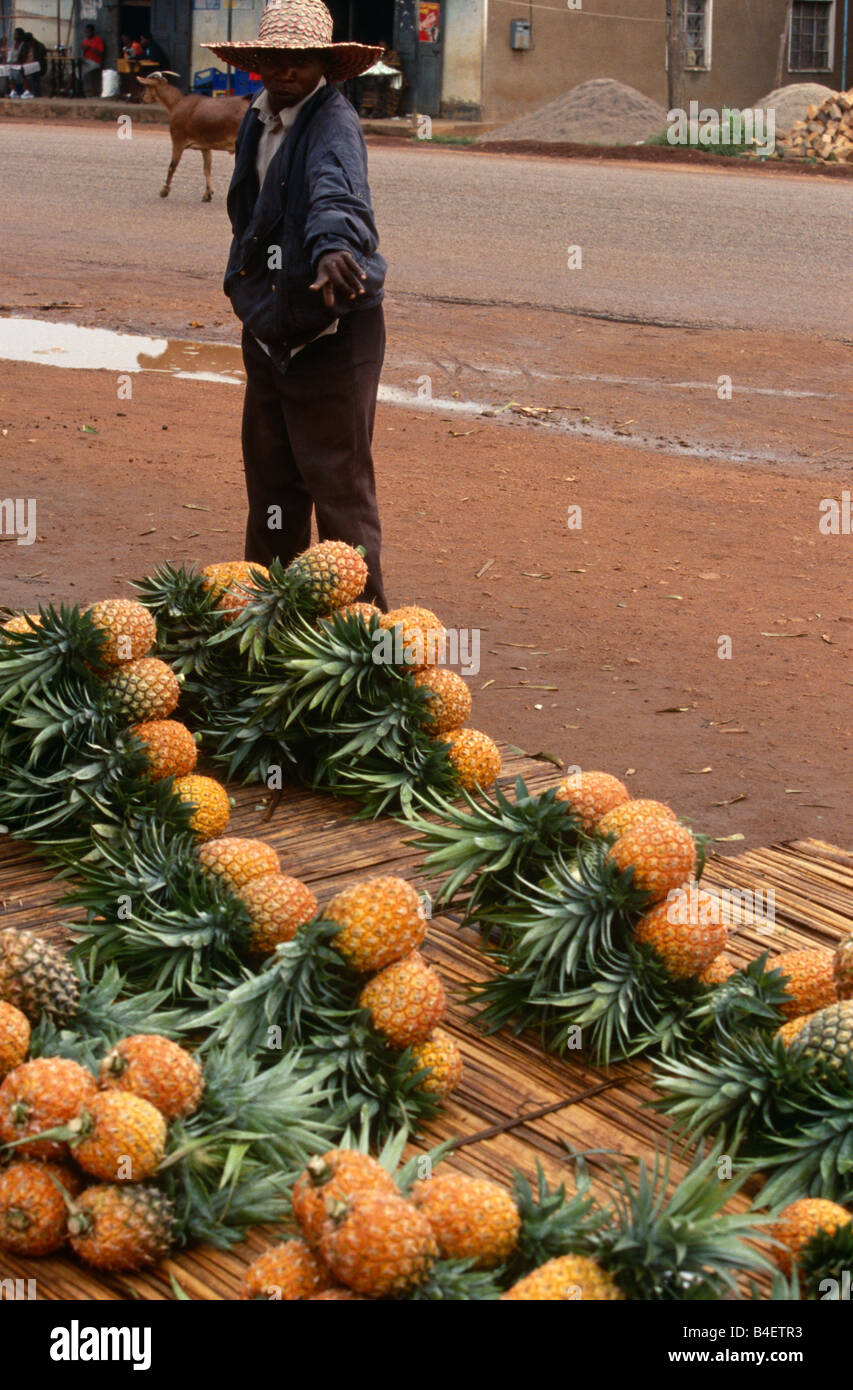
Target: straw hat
pixel 293 24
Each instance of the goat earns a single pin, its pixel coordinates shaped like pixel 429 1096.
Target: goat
pixel 195 123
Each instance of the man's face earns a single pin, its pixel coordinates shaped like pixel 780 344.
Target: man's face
pixel 289 76
pixel 90 29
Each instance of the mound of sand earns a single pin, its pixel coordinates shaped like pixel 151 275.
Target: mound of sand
pixel 790 103
pixel 599 112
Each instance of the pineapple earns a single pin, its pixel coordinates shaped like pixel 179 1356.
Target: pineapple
pixel 716 972
pixel 627 814
pixel 439 1052
pixel 212 805
pixel 170 748
pixel 799 1223
pixel 33 1215
pixel 684 947
pixel 14 1038
pixel 340 1173
pixel 365 611
pixel 471 1218
pixel 591 795
pixel 825 1038
pixel 449 699
pixel 336 1296
pixel 475 758
pixel 811 983
pixel 278 906
pixel 128 629
pixel 21 623
pixel 158 1070
pixel 566 1279
pixel 145 689
pixel 330 575
pixel 232 580
pixel 422 639
pixel 37 977
pixel 844 969
pixel 121 1228
pixel 378 1245
pixel 405 1001
pixel 40 1095
pixel 122 1138
pixel 237 861
pixel 790 1031
pixel 661 853
pixel 381 919
pixel 288 1272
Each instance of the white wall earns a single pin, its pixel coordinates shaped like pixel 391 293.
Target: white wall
pixel 463 49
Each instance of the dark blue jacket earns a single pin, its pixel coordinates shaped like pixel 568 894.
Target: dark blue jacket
pixel 314 199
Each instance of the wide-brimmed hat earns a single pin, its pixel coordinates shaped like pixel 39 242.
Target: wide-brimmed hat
pixel 292 24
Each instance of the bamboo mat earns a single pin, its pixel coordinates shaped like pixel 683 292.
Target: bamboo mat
pixel 505 1077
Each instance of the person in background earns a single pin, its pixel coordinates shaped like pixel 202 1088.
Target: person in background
pixel 152 49
pixel 313 325
pixel 93 61
pixel 32 50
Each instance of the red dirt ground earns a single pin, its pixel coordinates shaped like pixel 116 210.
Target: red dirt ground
pixel 599 646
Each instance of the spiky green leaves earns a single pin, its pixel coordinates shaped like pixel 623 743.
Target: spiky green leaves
pixel 489 847
pixel 677 1245
pixel 305 997
pixel 570 968
pixel 749 998
pixel 768 1100
pixel 153 911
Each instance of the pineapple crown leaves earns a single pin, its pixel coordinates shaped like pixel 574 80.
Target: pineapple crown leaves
pixel 164 935
pixel 627 1006
pixel 186 615
pixel 219 1215
pixel 275 1115
pixel 825 1257
pixel 276 604
pixel 583 907
pixel 60 647
pixel 810 1152
pixel 384 781
pixel 104 1014
pixel 456 1281
pixel 490 843
pixel 750 1084
pixel 328 667
pixel 679 1244
pixel 552 1223
pixel 296 992
pixel 751 997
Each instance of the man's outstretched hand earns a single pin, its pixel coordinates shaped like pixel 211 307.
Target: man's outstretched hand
pixel 338 270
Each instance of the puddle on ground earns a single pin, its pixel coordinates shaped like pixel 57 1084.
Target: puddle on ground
pixel 99 349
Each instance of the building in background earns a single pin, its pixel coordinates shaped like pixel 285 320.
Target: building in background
pixel 492 60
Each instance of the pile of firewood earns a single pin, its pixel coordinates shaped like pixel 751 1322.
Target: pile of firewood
pixel 827 131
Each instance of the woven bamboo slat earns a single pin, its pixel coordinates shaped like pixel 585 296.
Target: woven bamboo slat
pixel 505 1077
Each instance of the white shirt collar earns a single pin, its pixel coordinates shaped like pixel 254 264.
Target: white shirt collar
pixel 287 115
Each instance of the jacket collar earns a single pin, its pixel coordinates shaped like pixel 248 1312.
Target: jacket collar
pixel 245 167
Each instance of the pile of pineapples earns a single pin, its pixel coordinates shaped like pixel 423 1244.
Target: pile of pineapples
pixel 368 1232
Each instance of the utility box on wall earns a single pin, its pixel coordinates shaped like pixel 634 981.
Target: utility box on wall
pixel 519 33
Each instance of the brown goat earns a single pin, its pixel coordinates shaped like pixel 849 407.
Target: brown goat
pixel 195 123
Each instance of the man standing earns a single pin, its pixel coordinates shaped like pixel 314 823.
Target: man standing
pixel 305 277
pixel 93 62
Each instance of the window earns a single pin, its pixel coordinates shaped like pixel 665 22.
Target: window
pixel 811 36
pixel 697 33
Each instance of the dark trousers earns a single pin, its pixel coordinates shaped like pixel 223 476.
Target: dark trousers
pixel 307 436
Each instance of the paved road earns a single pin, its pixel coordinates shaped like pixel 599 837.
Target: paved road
pixel 680 246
